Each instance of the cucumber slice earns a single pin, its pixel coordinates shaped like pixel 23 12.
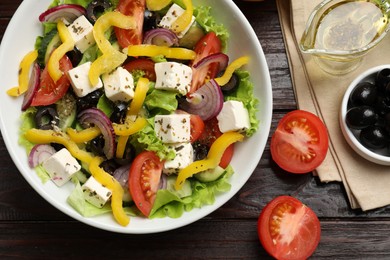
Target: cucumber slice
pixel 210 175
pixel 66 108
pixel 53 44
pixel 193 35
pixel 43 45
pixel 185 191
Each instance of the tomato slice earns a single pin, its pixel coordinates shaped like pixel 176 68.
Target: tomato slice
pixel 197 127
pixel 207 45
pixel 50 92
pixel 136 9
pixel 288 229
pixel 146 65
pixel 300 142
pixel 210 133
pixel 144 178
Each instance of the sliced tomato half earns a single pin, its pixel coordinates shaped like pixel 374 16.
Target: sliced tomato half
pixel 207 45
pixel 288 229
pixel 144 178
pixel 300 142
pixel 210 133
pixel 146 65
pixel 50 92
pixel 136 9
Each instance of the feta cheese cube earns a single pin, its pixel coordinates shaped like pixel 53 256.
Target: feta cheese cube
pixel 81 32
pixel 174 12
pixel 173 76
pixel 79 79
pixel 233 117
pixel 61 166
pixel 173 128
pixel 184 157
pixel 119 85
pixel 95 193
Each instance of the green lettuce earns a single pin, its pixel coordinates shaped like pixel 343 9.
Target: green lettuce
pixel 161 102
pixel 27 122
pixel 168 204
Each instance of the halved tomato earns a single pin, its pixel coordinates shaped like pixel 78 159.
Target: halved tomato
pixel 288 229
pixel 136 9
pixel 207 45
pixel 146 65
pixel 144 178
pixel 208 136
pixel 50 92
pixel 300 142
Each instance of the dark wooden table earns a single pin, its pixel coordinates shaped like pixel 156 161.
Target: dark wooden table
pixel 32 228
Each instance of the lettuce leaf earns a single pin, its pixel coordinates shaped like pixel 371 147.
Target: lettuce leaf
pixel 161 102
pixel 168 204
pixel 27 122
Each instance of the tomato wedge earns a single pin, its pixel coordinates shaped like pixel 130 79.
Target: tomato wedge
pixel 300 142
pixel 210 133
pixel 207 45
pixel 197 127
pixel 146 65
pixel 50 92
pixel 144 178
pixel 136 9
pixel 288 229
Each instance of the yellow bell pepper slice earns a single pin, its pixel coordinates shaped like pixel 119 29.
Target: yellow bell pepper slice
pixel 111 58
pixel 135 106
pixel 185 19
pixel 157 5
pixel 112 184
pixel 236 64
pixel 84 135
pixel 213 157
pixel 150 50
pixel 24 74
pixel 39 136
pixel 127 129
pixel 53 65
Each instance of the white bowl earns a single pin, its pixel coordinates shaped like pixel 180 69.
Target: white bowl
pixel 350 134
pixel 243 41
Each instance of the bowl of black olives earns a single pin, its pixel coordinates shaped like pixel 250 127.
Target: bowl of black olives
pixel 365 115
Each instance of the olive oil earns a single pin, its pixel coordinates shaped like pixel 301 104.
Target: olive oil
pixel 350 25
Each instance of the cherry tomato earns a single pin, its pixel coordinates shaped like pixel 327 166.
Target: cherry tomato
pixel 300 142
pixel 288 229
pixel 136 9
pixel 207 45
pixel 144 178
pixel 197 127
pixel 50 92
pixel 208 136
pixel 146 65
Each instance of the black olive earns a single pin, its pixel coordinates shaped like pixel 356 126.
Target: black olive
pixel 128 155
pixel 96 8
pixel 46 118
pixel 57 147
pixel 151 20
pixel 361 117
pixel 119 114
pixel 75 56
pixel 232 84
pixel 382 79
pixel 96 145
pixel 109 166
pixel 382 106
pixel 365 93
pixel 200 151
pixel 89 100
pixel 374 137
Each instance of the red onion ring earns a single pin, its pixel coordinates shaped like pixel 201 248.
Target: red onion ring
pixel 40 153
pixel 68 11
pixel 98 118
pixel 161 37
pixel 33 86
pixel 121 174
pixel 220 58
pixel 206 102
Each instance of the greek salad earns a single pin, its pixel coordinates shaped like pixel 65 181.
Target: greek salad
pixel 134 103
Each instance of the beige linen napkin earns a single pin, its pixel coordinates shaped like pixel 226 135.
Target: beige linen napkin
pixel 367 184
